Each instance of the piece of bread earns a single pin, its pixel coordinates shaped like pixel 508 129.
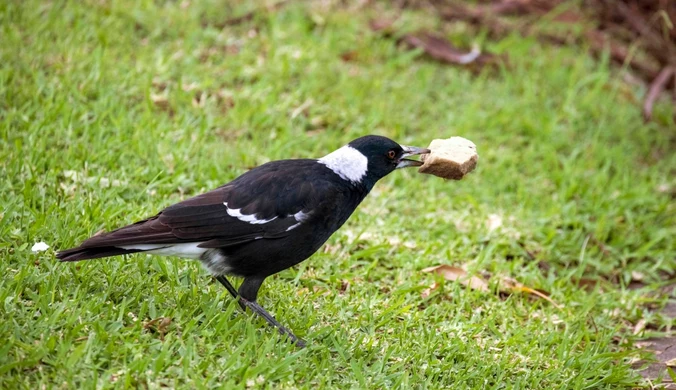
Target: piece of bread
pixel 451 158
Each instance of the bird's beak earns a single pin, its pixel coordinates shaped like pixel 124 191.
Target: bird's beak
pixel 410 151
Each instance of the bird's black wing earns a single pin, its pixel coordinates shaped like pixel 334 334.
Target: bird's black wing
pixel 263 203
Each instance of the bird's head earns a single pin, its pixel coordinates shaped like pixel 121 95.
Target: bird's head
pixel 368 159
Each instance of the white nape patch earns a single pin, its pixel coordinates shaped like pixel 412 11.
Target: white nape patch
pixel 188 250
pixel 347 162
pixel 246 218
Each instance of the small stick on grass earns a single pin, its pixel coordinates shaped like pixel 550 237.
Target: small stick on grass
pixel 250 15
pixel 655 91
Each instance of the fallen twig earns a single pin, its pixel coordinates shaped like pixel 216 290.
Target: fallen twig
pixel 250 15
pixel 441 50
pixel 656 88
pixel 659 47
pixel 599 42
pixel 621 26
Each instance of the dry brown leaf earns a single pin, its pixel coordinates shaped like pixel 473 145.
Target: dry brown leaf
pixel 159 325
pixel 344 285
pixel 640 326
pixel 508 285
pixel 349 56
pixel 671 363
pixel 164 324
pixel 249 15
pixel 199 100
pixel 587 284
pixel 302 109
pixel 383 24
pixel 426 292
pixel 637 276
pixel 160 101
pixel 460 275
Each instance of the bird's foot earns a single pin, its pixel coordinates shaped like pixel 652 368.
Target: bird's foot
pixel 258 309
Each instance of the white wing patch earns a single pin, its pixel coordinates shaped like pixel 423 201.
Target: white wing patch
pixel 301 217
pixel 347 162
pixel 188 250
pixel 236 213
pixel 293 227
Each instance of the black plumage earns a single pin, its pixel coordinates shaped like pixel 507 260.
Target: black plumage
pixel 264 221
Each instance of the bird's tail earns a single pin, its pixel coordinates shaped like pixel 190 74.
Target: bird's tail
pixel 80 253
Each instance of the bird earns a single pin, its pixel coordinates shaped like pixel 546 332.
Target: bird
pixel 270 218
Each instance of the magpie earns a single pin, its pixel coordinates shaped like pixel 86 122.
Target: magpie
pixel 264 221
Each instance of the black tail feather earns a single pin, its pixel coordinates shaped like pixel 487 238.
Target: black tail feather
pixel 80 253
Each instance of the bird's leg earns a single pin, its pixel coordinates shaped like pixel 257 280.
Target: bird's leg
pixel 258 309
pixel 226 283
pixel 248 292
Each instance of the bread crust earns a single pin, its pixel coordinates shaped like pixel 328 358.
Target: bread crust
pixel 451 158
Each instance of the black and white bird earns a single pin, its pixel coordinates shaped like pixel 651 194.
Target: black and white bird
pixel 266 220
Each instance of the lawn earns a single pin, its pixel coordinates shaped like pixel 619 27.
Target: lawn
pixel 110 111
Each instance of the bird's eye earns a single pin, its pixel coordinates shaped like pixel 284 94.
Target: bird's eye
pixel 391 154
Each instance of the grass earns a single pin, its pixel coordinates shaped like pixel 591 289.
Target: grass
pixel 112 110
